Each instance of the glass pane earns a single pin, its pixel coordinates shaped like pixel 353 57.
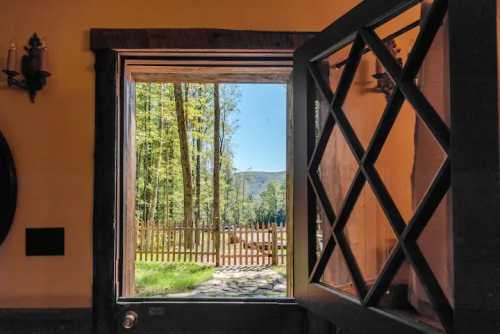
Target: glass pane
pixel 370 235
pixel 435 242
pixel 405 298
pixel 406 294
pixel 365 102
pixel 337 165
pixel 337 169
pixel 336 274
pixel 433 76
pixel 409 160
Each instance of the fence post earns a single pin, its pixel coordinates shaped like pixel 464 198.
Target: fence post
pixel 275 244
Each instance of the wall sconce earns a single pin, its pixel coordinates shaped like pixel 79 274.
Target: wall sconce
pixel 33 67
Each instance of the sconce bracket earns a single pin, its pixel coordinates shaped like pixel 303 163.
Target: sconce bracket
pixel 31 69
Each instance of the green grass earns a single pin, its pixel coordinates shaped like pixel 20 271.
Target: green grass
pixel 156 278
pixel 280 270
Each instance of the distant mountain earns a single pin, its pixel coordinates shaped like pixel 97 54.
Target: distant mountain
pixel 256 182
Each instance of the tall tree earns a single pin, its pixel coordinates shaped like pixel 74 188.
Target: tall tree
pixel 161 126
pixel 185 163
pixel 197 211
pixel 216 179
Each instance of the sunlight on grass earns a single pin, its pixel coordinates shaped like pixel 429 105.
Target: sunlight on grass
pixel 280 270
pixel 156 278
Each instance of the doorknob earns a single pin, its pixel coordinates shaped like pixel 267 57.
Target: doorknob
pixel 129 320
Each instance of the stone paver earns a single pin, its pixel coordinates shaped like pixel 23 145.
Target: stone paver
pixel 243 282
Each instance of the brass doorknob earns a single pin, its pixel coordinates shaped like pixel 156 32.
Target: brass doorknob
pixel 129 319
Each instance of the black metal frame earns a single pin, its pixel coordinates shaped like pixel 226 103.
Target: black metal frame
pixel 357 27
pixel 112 48
pixel 8 188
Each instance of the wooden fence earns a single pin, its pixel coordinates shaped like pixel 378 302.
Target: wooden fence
pixel 238 245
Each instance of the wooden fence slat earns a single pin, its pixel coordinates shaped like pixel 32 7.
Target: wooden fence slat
pixel 209 238
pixel 253 245
pixel 184 248
pixel 162 248
pixel 270 254
pixel 260 240
pixel 143 242
pixel 157 240
pixel 175 244
pixel 262 243
pixel 203 243
pixel 235 244
pixel 246 244
pixel 139 237
pixel 274 244
pixel 223 246
pixel 265 244
pixel 240 241
pixel 195 244
pixel 167 235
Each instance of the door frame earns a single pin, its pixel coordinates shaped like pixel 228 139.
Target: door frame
pixel 474 156
pixel 111 48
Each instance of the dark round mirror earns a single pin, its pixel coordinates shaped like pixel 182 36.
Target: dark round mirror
pixel 8 188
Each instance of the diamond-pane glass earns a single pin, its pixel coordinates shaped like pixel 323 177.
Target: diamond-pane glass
pixel 336 274
pixel 396 129
pixel 405 297
pixel 435 242
pixel 365 101
pixel 337 169
pixel 370 235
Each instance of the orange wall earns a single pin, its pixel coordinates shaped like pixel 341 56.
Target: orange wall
pixel 52 140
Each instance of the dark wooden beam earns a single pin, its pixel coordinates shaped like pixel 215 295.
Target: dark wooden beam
pixel 195 39
pixel 343 31
pixel 106 177
pixel 46 321
pixel 475 167
pixel 218 317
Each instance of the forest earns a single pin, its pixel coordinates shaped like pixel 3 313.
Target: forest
pixel 185 172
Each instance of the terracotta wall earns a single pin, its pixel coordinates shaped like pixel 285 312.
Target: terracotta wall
pixel 52 140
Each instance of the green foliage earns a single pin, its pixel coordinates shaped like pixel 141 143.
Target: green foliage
pixel 245 197
pixel 158 278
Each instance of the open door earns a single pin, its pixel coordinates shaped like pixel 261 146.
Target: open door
pixel 371 224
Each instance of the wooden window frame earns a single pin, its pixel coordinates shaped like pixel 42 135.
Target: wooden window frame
pixel 112 48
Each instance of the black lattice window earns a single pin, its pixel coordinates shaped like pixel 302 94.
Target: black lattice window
pixel 406 232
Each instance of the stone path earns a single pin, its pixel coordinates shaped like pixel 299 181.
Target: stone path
pixel 254 282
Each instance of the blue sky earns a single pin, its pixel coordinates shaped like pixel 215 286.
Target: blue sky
pixel 259 142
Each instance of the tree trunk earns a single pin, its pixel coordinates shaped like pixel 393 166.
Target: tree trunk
pixel 198 181
pixel 161 124
pixel 185 164
pixel 216 187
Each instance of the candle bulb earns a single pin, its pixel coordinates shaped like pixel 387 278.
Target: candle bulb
pixel 11 58
pixel 43 59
